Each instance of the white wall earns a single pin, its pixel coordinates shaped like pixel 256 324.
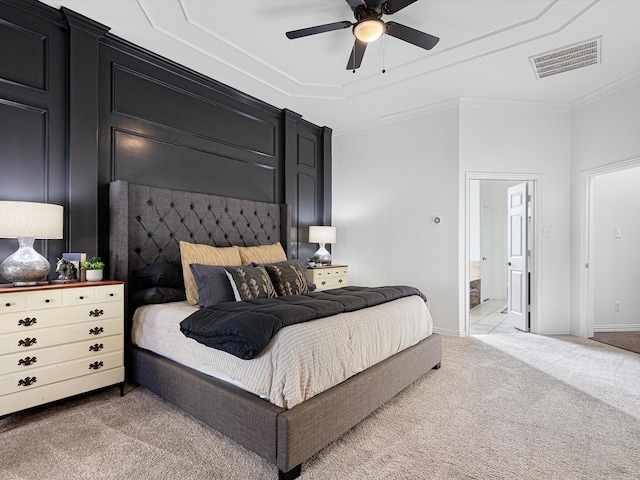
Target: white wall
pixel 388 182
pixel 615 264
pixel 604 132
pixel 529 140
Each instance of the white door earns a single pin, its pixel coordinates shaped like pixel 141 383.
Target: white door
pixel 485 249
pixel 517 281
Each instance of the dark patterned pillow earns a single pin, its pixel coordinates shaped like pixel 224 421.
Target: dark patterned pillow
pixel 287 279
pixel 251 283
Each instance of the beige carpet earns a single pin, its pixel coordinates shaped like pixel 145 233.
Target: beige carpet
pixel 487 414
pixel 627 340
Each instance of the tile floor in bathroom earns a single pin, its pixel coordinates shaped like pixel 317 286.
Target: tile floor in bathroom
pixel 487 318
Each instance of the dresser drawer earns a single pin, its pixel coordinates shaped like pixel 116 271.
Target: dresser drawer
pixel 110 293
pixel 79 296
pixel 16 382
pixel 28 342
pixel 44 300
pixel 34 320
pixel 31 360
pixel 12 302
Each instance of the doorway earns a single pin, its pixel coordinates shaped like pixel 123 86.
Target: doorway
pixel 608 236
pixel 486 272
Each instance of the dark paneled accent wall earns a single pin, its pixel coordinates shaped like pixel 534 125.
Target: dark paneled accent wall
pixel 130 114
pixel 32 113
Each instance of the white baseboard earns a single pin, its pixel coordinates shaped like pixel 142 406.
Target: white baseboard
pixel 633 327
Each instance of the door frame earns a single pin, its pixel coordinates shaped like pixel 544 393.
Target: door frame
pixel 587 200
pixel 534 264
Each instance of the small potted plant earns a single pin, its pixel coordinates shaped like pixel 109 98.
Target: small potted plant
pixel 93 268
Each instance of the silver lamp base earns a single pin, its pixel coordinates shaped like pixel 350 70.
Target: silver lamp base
pixel 322 255
pixel 25 267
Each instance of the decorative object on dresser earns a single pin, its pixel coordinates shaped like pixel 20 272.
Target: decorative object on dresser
pixel 329 277
pixel 93 269
pixel 67 271
pixel 77 259
pixel 59 340
pixel 27 221
pixel 322 236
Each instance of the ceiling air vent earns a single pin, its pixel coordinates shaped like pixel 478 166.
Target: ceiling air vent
pixel 567 58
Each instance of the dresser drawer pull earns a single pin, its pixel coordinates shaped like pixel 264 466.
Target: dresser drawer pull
pixel 96 365
pixel 81 297
pixel 27 342
pixel 26 361
pixel 112 294
pixel 96 313
pixel 323 282
pixel 96 348
pixel 47 301
pixel 27 322
pixel 7 304
pixel 340 281
pixel 96 331
pixel 27 381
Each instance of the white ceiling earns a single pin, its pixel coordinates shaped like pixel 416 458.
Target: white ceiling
pixel 483 52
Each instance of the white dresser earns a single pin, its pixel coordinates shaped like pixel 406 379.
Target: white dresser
pixel 59 340
pixel 332 276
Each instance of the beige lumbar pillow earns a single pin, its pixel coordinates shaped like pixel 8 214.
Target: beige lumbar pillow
pixel 263 254
pixel 204 255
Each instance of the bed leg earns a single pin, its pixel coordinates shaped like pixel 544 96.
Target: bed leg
pixel 437 366
pixel 291 474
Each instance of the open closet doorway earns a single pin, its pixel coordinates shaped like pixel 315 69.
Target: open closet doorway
pixel 498 301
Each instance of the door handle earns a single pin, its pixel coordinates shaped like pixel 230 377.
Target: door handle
pixel 484 258
pixel 509 263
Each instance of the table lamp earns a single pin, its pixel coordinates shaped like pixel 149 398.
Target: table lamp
pixel 322 236
pixel 27 221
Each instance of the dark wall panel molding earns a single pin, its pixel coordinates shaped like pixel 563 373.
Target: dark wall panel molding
pixel 80 107
pixel 136 95
pixel 32 111
pixel 138 158
pixel 33 47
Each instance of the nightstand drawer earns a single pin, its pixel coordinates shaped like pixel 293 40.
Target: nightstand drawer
pixel 329 277
pixel 56 373
pixel 27 361
pixel 27 342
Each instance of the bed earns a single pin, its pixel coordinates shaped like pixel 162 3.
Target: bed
pixel 146 224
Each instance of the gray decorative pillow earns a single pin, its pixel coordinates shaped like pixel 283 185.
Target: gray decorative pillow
pixel 213 284
pixel 287 279
pixel 301 264
pixel 251 282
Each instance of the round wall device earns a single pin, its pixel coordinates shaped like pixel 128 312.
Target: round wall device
pixel 436 220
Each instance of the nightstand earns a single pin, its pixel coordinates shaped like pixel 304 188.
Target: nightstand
pixel 331 276
pixel 59 340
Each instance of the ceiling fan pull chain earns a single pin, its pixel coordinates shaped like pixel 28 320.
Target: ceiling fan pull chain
pixel 383 69
pixel 353 55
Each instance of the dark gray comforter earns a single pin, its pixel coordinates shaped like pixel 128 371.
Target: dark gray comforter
pixel 244 329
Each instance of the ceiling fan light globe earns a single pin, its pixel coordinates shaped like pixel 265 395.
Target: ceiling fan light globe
pixel 369 30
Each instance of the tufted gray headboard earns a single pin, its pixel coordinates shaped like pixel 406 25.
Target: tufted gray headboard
pixel 147 223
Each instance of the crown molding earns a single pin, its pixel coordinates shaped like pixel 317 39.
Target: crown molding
pixel 398 117
pixel 606 91
pixel 562 107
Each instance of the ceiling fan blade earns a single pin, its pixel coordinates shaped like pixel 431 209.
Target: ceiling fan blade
pixel 327 27
pixel 394 6
pixel 355 3
pixel 411 35
pixel 357 52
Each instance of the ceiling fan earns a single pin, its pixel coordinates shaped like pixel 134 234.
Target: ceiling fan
pixel 369 26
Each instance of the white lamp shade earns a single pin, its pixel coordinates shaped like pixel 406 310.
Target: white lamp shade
pixel 30 219
pixel 322 234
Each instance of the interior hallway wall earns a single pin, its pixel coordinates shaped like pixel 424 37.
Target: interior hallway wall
pixel 603 132
pixel 616 261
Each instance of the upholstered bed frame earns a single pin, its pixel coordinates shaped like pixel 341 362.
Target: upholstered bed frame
pixel 146 224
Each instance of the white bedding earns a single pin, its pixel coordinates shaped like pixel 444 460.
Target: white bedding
pixel 302 360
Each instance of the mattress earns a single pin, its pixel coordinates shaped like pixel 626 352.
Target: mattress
pixel 301 360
